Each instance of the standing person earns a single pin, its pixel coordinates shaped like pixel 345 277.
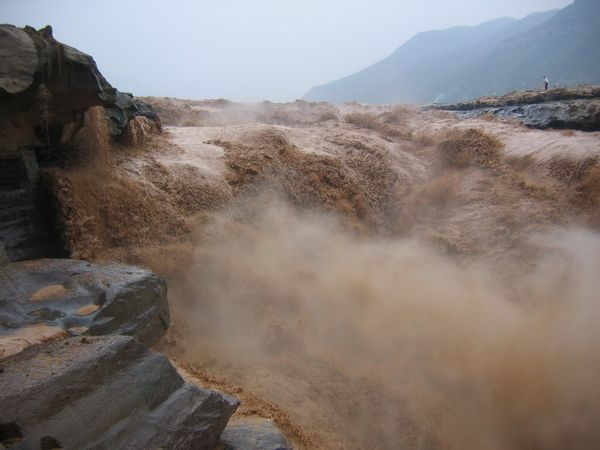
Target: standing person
pixel 546 82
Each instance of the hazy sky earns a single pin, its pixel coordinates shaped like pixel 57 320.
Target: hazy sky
pixel 246 50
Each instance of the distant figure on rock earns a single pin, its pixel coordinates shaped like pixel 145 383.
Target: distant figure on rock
pixel 546 82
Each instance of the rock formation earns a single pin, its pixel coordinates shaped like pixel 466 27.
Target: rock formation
pixel 105 393
pixel 63 296
pixel 46 85
pixel 577 108
pixel 75 372
pixel 45 89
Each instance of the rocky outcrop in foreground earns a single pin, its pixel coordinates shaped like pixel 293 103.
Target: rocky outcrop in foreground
pixel 64 386
pixel 577 108
pixel 573 115
pixel 104 393
pixel 51 298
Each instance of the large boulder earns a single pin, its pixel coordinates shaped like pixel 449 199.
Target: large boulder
pixel 105 393
pixel 45 84
pixel 52 298
pixel 20 59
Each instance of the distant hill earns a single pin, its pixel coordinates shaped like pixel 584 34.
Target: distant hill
pixel 490 59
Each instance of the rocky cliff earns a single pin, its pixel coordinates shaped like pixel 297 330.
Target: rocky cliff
pixel 105 393
pixel 46 87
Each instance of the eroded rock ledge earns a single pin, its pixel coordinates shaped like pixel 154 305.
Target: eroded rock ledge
pixel 52 298
pixel 575 108
pixel 105 393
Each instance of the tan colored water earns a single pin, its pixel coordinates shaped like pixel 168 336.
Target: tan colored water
pixel 27 336
pixel 49 293
pixel 398 281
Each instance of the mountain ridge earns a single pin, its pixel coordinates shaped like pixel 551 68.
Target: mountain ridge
pixel 492 58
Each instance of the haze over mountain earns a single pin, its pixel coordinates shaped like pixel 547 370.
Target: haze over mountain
pixel 495 57
pixel 246 50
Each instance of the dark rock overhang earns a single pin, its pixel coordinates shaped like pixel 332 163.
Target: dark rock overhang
pixel 47 84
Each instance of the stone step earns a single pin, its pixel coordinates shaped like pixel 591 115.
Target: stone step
pixel 106 392
pixel 128 300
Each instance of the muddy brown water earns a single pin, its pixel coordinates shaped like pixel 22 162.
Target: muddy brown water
pixel 358 285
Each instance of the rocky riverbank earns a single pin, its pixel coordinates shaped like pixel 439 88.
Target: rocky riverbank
pixel 105 392
pixel 73 339
pixel 575 108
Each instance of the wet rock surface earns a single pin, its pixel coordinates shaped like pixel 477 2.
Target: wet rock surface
pixel 105 393
pixel 525 98
pixel 574 114
pixel 254 434
pixel 47 84
pixel 77 297
pixel 124 109
pixel 70 78
pixel 569 108
pixel 17 73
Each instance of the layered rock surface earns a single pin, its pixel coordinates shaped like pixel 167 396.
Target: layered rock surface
pixel 105 393
pixel 574 114
pixel 577 108
pixel 48 298
pixel 27 225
